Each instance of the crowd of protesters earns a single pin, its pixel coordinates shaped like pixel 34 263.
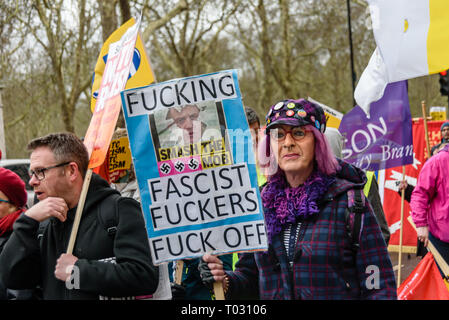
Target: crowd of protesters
pixel 327 232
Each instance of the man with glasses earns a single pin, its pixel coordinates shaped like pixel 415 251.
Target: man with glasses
pixel 35 253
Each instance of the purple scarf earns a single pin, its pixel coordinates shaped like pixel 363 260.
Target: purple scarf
pixel 285 205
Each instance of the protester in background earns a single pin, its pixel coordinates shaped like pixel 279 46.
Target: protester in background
pixel 254 127
pixel 35 253
pixel 13 199
pixel 408 190
pixel 371 188
pixel 444 138
pixel 421 251
pixel 430 203
pixel 335 140
pixel 310 254
pixel 126 183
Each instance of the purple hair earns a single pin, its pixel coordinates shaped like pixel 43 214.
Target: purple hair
pixel 325 160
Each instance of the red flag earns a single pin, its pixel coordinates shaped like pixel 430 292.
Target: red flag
pixel 424 283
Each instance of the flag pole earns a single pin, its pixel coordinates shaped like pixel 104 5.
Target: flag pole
pixel 424 114
pixel 401 229
pixel 351 53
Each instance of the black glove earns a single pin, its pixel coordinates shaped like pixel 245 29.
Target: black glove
pixel 205 274
pixel 178 291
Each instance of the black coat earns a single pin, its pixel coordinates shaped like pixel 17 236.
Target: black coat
pixel 9 294
pixel 3 239
pixel 27 261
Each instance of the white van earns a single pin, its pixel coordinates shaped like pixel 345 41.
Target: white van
pixel 21 167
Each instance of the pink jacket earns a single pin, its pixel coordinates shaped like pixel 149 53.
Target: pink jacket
pixel 430 198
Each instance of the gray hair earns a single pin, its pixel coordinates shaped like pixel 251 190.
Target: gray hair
pixel 251 115
pixel 65 146
pixel 335 140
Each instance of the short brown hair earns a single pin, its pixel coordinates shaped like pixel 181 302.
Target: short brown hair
pixel 66 147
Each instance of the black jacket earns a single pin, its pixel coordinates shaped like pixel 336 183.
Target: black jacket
pixel 27 261
pixel 8 294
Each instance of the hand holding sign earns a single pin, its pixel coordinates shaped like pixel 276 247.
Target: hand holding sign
pixel 212 274
pixel 211 269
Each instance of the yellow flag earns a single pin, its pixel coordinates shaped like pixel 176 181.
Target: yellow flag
pixel 333 116
pixel 141 73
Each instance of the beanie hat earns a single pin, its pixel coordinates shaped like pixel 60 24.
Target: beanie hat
pixel 13 187
pixel 296 113
pixel 445 124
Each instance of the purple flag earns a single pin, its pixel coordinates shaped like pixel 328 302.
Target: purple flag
pixel 385 139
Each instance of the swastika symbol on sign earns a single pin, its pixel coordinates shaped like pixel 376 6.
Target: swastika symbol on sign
pixel 193 164
pixel 179 166
pixel 165 168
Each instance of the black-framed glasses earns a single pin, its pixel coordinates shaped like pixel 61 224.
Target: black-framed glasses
pixel 40 173
pixel 1 200
pixel 280 134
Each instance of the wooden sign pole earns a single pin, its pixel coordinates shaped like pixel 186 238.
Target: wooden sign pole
pixel 79 211
pixel 178 271
pixel 218 291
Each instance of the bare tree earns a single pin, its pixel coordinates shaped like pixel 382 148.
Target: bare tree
pixel 125 10
pixel 59 43
pixel 185 43
pixel 296 49
pixel 108 17
pixel 283 48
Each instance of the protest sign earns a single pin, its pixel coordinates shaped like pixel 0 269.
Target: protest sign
pixel 424 282
pixel 107 107
pixel 384 140
pixel 333 116
pixel 140 73
pixel 438 113
pixel 119 159
pixel 192 153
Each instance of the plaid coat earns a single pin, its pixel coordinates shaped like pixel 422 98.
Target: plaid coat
pixel 324 267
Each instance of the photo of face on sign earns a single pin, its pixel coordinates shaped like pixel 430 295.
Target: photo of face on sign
pixel 187 124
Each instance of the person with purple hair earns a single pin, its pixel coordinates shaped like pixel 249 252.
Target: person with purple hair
pixel 311 253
